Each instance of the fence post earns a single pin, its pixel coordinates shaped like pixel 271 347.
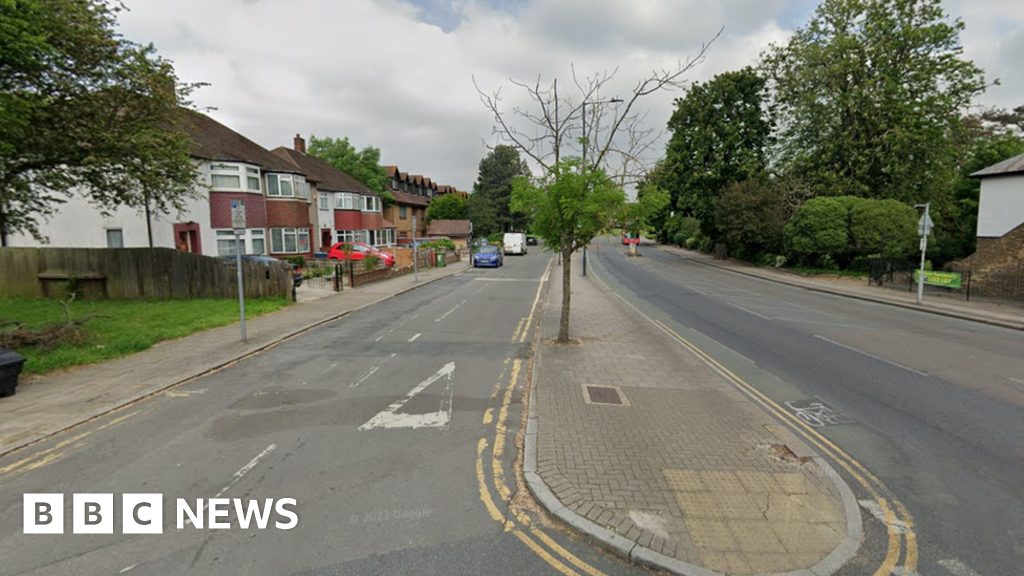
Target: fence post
pixel 968 285
pixel 351 274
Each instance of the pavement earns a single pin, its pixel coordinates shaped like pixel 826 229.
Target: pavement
pixel 1005 316
pixel 667 462
pixel 49 404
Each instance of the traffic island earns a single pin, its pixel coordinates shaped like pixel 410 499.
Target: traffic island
pixel 638 444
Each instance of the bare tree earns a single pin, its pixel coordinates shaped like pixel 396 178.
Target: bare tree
pixel 557 125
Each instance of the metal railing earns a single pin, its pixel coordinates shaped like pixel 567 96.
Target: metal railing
pixel 1002 288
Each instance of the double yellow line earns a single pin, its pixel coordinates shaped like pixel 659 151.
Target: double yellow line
pixel 899 522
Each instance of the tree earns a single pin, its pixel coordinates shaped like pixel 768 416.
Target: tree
pixel 483 215
pixel 546 133
pixel 85 112
pixel 867 95
pixel 447 207
pixel 569 205
pixel 497 170
pixel 751 216
pixel 363 165
pixel 720 135
pixel 639 215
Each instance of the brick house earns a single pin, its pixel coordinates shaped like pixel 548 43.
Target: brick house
pixel 457 230
pixel 345 209
pixel 411 200
pixel 1000 218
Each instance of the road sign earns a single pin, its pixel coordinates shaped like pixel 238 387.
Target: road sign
pixel 238 214
pixel 924 224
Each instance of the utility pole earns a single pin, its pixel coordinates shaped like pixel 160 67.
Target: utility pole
pixel 415 253
pixel 924 226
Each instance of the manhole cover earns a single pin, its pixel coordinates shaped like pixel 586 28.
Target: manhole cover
pixel 611 395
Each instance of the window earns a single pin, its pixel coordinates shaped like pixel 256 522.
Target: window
pixel 115 238
pixel 253 242
pixel 346 236
pixel 345 201
pixel 230 177
pixel 371 203
pixel 402 212
pixel 324 200
pixel 287 186
pixel 394 184
pixel 289 240
pixel 371 236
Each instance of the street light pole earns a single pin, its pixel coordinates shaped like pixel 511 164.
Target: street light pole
pixel 584 158
pixel 923 228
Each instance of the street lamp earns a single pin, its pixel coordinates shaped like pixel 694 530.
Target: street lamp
pixel 584 159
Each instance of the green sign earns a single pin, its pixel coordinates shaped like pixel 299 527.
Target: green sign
pixel 947 279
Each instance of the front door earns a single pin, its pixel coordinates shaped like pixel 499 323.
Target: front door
pixel 325 239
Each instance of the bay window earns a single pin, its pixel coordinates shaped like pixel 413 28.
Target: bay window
pixel 371 203
pixel 346 236
pixel 235 177
pixel 287 186
pixel 345 201
pixel 253 241
pixel 289 240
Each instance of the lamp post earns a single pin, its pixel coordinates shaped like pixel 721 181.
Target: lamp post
pixel 924 226
pixel 584 159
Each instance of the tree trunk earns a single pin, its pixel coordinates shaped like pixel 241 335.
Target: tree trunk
pixel 563 326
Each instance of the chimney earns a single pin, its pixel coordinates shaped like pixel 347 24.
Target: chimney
pixel 300 144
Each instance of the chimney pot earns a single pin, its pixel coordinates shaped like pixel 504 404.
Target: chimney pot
pixel 300 144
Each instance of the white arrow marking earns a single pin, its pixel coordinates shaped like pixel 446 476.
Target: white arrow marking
pixel 391 418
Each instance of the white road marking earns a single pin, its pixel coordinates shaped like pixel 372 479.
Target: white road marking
pixel 418 334
pixel 445 315
pixel 185 393
pixel 333 366
pixel 823 323
pixel 899 526
pixel 379 338
pixel 127 568
pixel 747 310
pixel 391 418
pixel 869 355
pixel 957 567
pixel 238 475
pixel 371 371
pixel 1017 380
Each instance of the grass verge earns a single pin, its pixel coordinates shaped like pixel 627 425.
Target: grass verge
pixel 132 326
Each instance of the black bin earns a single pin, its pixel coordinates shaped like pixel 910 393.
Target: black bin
pixel 11 364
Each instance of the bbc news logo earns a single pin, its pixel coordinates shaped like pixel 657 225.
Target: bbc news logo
pixel 144 513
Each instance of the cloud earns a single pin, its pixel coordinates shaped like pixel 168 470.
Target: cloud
pixel 399 75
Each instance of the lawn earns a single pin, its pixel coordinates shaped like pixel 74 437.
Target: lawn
pixel 133 326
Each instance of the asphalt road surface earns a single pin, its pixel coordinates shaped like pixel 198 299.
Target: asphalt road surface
pixel 374 424
pixel 933 407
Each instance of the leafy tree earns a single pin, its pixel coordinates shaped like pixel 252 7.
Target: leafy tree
pixel 85 112
pixel 483 215
pixel 751 216
pixel 569 206
pixel 447 207
pixel 639 215
pixel 498 169
pixel 891 221
pixel 719 137
pixel 867 94
pixel 363 165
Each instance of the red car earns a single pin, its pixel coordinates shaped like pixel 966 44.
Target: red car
pixel 359 252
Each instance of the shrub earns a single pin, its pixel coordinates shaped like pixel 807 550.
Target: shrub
pixel 692 242
pixel 371 262
pixel 297 261
pixel 870 220
pixel 440 244
pixel 819 231
pixel 680 239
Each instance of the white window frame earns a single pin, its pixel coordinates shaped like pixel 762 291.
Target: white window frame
pixel 297 187
pixel 345 201
pixel 245 174
pixel 370 203
pixel 120 231
pixel 280 238
pixel 254 241
pixel 323 201
pixel 346 236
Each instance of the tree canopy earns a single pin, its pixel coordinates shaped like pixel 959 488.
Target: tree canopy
pixel 85 112
pixel 448 207
pixel 869 92
pixel 720 135
pixel 363 165
pixel 493 190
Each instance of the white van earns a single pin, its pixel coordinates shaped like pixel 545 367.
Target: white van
pixel 515 243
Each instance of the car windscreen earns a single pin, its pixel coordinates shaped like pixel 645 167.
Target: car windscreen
pixel 488 249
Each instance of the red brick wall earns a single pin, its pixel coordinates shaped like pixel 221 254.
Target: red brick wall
pixel 220 209
pixel 348 220
pixel 372 221
pixel 287 214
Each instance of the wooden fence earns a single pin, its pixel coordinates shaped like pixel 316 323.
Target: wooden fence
pixel 133 274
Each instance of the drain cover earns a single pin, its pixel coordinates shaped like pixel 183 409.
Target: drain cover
pixel 611 395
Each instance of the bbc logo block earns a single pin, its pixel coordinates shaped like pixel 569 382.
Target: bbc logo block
pixel 93 514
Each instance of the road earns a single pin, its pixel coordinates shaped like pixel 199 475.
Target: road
pixel 931 406
pixel 385 427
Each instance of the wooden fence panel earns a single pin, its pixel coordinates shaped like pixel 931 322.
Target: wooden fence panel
pixel 134 273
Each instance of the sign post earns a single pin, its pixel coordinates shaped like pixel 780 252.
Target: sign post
pixel 924 226
pixel 415 254
pixel 238 223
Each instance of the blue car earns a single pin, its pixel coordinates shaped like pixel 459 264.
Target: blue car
pixel 488 256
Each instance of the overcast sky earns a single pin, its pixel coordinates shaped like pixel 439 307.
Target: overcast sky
pixel 399 75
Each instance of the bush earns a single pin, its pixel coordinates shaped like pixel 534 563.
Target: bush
pixel 751 216
pixel 371 262
pixel 441 244
pixel 297 261
pixel 692 242
pixel 496 238
pixel 870 220
pixel 680 239
pixel 819 231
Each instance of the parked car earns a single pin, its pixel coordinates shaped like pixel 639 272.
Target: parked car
pixel 267 260
pixel 531 240
pixel 515 243
pixel 488 256
pixel 359 252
